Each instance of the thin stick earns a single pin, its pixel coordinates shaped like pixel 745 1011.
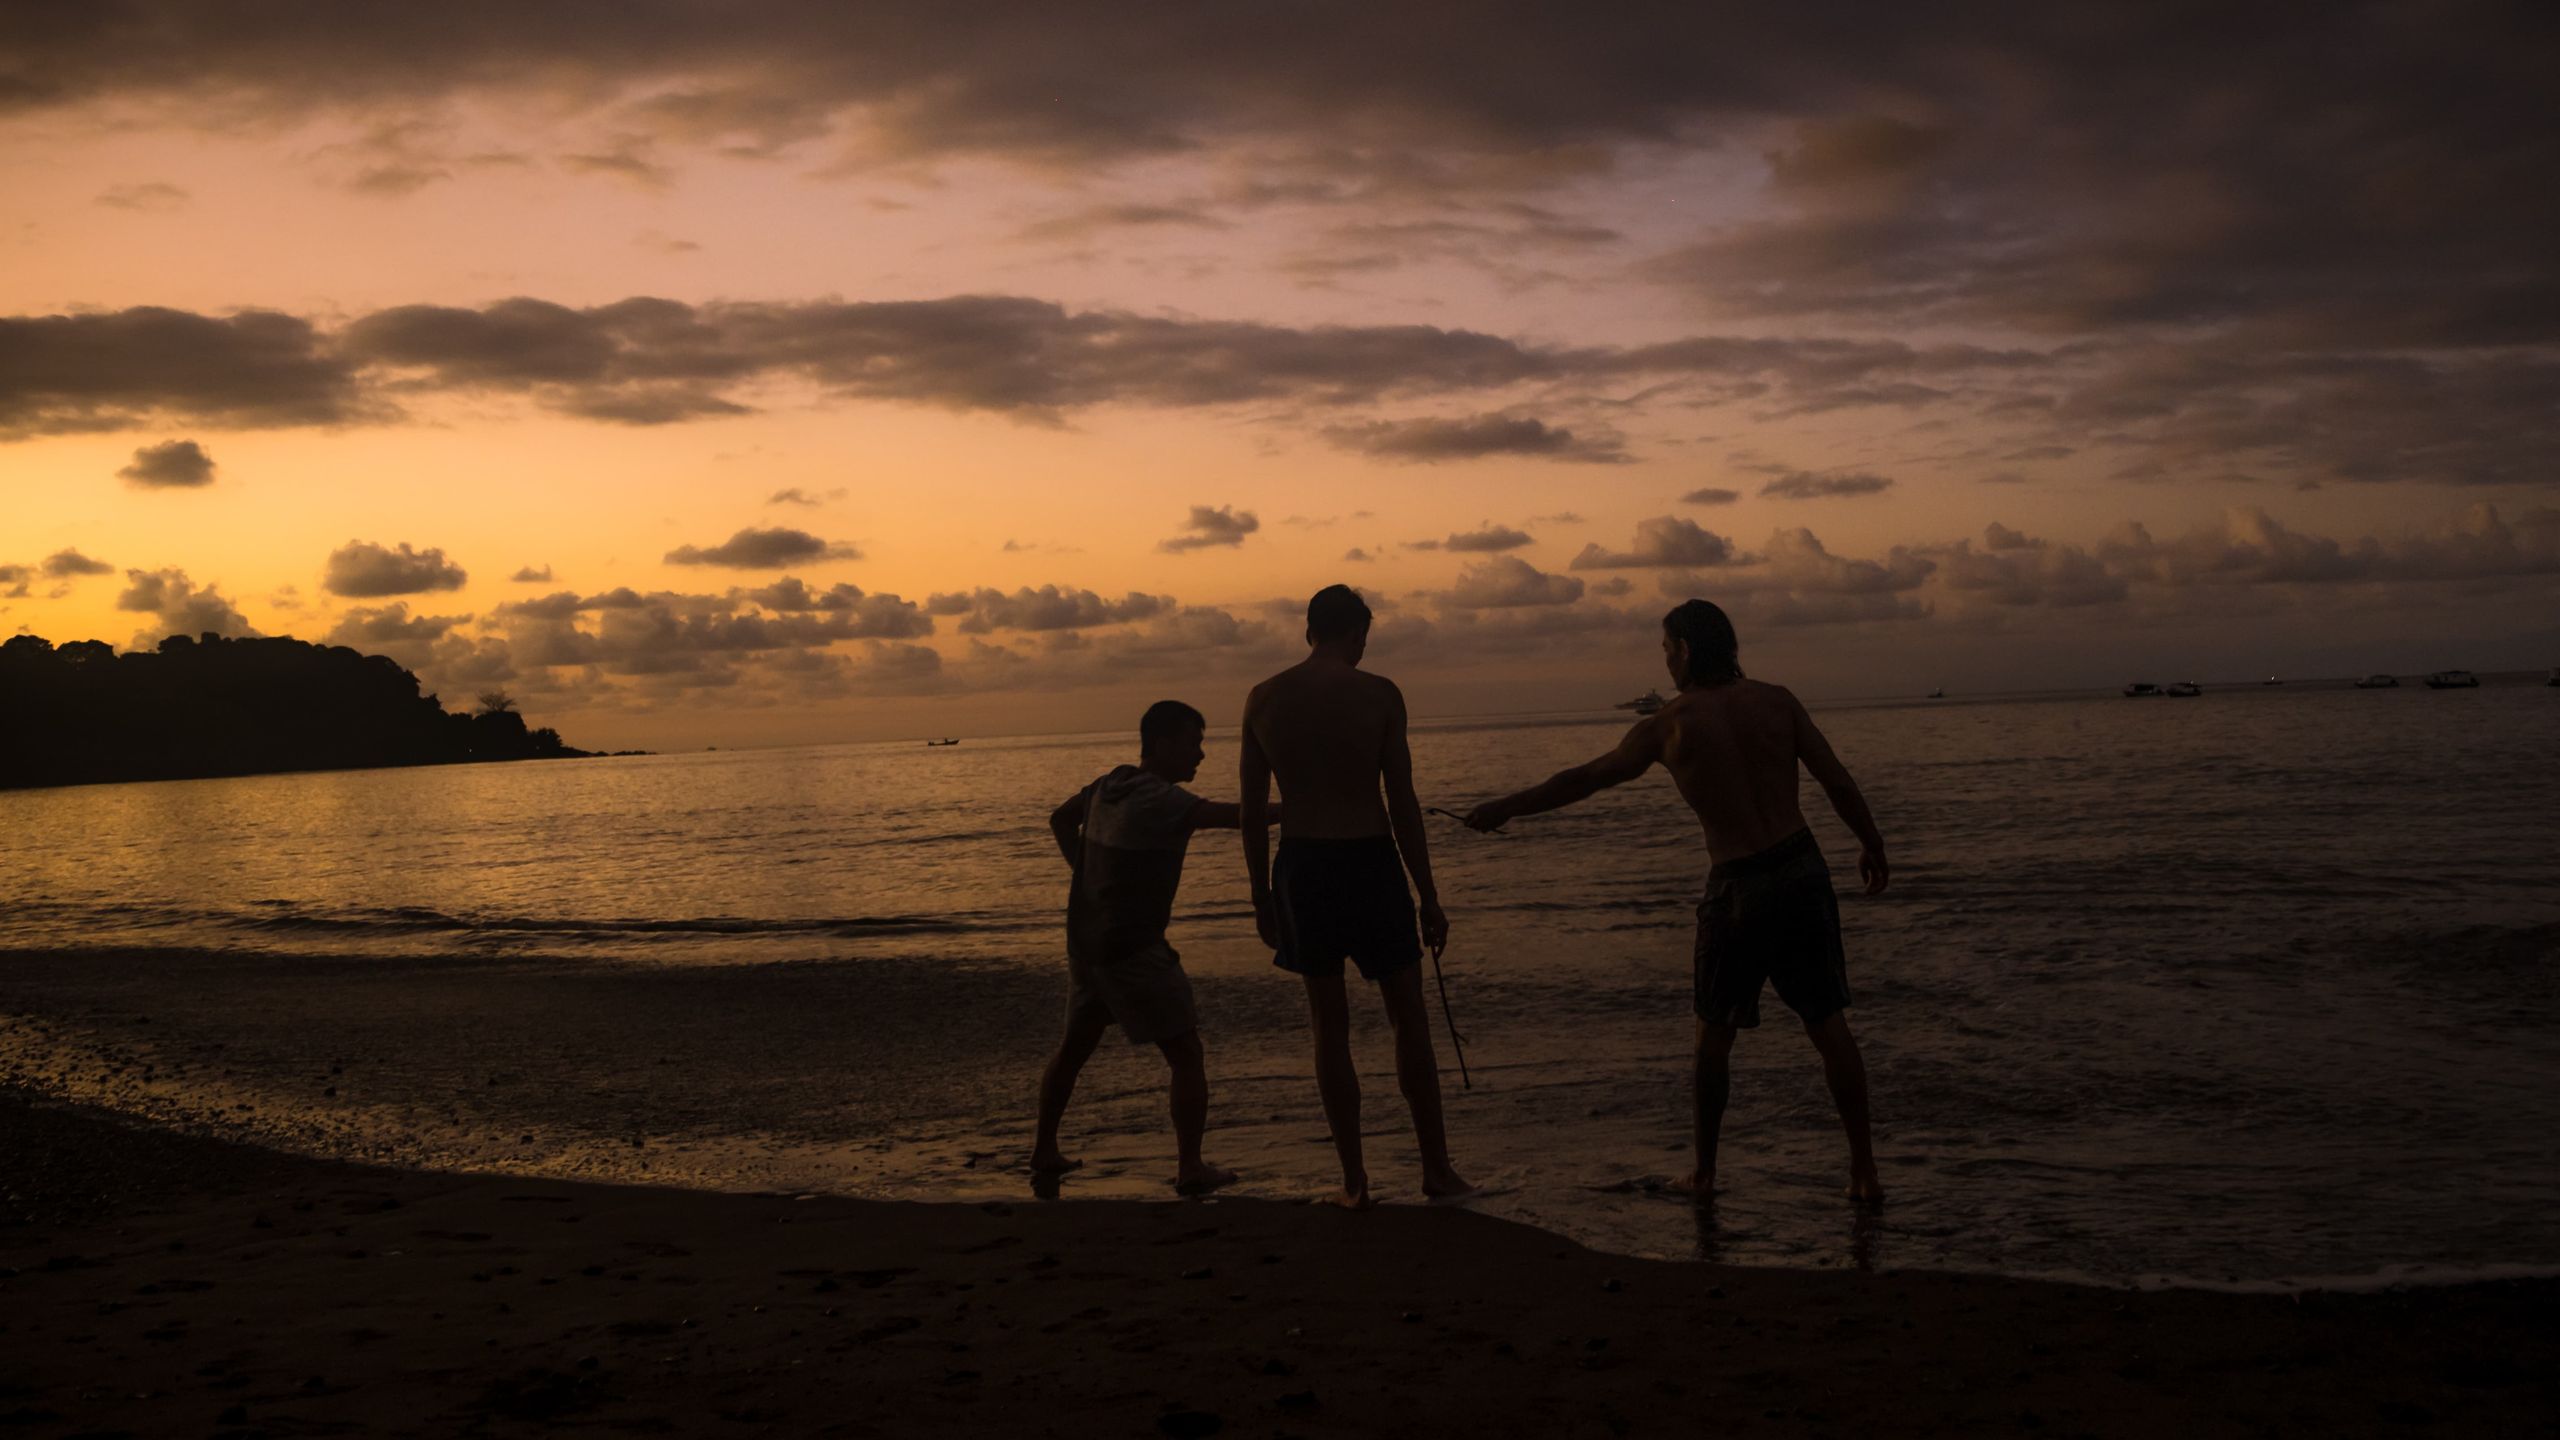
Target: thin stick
pixel 1456 1042
pixel 1461 819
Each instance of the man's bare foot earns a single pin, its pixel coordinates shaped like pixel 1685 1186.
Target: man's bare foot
pixel 1446 1183
pixel 1351 1199
pixel 1698 1185
pixel 1866 1189
pixel 1050 1162
pixel 1202 1178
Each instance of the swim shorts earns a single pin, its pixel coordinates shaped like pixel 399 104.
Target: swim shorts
pixel 1343 899
pixel 1143 991
pixel 1770 918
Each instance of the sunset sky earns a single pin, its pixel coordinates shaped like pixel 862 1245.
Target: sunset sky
pixel 711 374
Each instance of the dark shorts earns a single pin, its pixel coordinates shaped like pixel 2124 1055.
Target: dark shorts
pixel 1144 992
pixel 1343 899
pixel 1770 918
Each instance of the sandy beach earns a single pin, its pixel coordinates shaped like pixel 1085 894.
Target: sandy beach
pixel 163 1284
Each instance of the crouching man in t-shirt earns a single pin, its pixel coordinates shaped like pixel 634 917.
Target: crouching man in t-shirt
pixel 1124 836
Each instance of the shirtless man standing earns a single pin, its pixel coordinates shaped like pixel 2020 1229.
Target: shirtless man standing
pixel 1733 745
pixel 1330 734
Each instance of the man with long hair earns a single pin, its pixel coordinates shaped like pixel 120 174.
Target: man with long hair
pixel 1733 746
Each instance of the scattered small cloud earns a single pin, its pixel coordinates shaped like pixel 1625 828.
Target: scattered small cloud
pixel 1506 582
pixel 1357 555
pixel 1429 441
pixel 1710 495
pixel 797 496
pixel 71 564
pixel 754 549
pixel 532 575
pixel 1805 485
pixel 151 195
pixel 1665 540
pixel 1489 538
pixel 1212 526
pixel 361 569
pixel 179 605
pixel 170 465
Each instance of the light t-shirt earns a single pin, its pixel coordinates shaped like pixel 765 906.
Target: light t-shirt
pixel 1137 827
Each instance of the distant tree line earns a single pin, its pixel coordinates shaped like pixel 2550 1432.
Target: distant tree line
pixel 79 713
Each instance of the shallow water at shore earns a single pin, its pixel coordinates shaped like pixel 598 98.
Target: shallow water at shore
pixel 2257 986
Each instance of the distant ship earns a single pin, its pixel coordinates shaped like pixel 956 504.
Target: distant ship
pixel 2453 680
pixel 937 744
pixel 1644 704
pixel 2384 682
pixel 2186 690
pixel 2142 690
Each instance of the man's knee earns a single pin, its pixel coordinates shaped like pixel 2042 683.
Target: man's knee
pixel 1715 1042
pixel 1183 1051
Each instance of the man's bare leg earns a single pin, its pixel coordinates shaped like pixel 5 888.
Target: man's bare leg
pixel 1192 1175
pixel 1714 1088
pixel 1084 1032
pixel 1338 1083
pixel 1847 1072
pixel 1418 1076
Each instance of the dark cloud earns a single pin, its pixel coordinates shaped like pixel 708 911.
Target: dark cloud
pixel 170 465
pixel 361 569
pixel 1803 485
pixel 753 549
pixel 17 578
pixel 651 361
pixel 1212 526
pixel 120 369
pixel 68 564
pixel 1356 555
pixel 1489 538
pixel 178 606
pixel 1665 540
pixel 1047 608
pixel 1428 441
pixel 532 575
pixel 1507 581
pixel 1710 495
pixel 373 628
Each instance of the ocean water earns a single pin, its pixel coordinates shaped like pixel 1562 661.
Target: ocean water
pixel 2247 988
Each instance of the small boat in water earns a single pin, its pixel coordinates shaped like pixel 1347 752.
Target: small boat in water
pixel 2186 690
pixel 2142 690
pixel 938 744
pixel 2379 682
pixel 1645 704
pixel 2453 680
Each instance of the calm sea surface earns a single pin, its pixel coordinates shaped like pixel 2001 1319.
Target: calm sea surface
pixel 2257 986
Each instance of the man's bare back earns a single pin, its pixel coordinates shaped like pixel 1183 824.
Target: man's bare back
pixel 1323 725
pixel 1733 751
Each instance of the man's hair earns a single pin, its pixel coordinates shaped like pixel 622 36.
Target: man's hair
pixel 1714 652
pixel 1166 720
pixel 1336 612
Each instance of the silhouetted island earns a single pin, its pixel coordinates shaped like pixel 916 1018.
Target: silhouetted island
pixel 81 713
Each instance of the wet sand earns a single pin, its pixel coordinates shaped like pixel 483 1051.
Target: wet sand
pixel 154 1283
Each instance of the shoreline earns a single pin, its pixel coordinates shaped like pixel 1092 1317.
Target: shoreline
pixel 162 1283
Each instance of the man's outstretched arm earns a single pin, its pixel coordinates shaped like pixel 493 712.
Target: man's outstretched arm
pixel 1220 815
pixel 1845 800
pixel 1253 817
pixel 1634 755
pixel 1404 817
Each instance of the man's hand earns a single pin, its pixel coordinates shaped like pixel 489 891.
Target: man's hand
pixel 1435 928
pixel 1266 921
pixel 1872 869
pixel 1488 816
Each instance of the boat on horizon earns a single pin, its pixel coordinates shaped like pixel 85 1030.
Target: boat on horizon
pixel 2379 682
pixel 2142 690
pixel 1645 704
pixel 2453 680
pixel 938 744
pixel 2185 690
